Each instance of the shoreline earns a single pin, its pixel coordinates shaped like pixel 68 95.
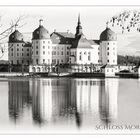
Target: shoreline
pixel 68 75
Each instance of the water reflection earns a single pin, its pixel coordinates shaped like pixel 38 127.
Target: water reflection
pixel 108 100
pixel 64 100
pixel 19 98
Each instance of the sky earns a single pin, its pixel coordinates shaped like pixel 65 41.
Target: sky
pixel 63 18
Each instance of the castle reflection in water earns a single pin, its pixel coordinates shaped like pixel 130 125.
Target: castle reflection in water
pixel 58 100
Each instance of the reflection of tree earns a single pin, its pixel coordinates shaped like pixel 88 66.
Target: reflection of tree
pixel 19 98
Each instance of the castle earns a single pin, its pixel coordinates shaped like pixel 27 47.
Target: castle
pixel 49 50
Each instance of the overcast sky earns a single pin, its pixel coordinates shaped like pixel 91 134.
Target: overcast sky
pixel 63 18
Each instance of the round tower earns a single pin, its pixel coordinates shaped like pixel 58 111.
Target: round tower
pixel 108 47
pixel 15 45
pixel 41 46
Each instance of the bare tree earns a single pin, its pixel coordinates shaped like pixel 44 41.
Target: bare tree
pixel 127 21
pixel 4 33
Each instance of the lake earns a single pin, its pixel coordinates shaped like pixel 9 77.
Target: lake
pixel 68 105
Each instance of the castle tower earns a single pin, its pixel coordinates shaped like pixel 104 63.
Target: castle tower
pixel 108 47
pixel 41 46
pixel 15 45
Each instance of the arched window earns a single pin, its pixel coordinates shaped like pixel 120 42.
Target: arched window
pixel 33 69
pixel 38 69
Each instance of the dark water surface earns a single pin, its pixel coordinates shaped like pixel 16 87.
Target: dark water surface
pixel 42 105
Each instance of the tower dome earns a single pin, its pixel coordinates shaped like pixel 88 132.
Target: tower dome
pixel 16 37
pixel 41 32
pixel 108 35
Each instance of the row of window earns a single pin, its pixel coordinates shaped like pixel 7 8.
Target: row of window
pixel 108 48
pixel 18 49
pixel 80 57
pixel 113 61
pixel 18 54
pixel 43 47
pixel 53 53
pixel 108 53
pixel 57 61
pixel 59 47
pixel 44 61
pixel 17 45
pixel 22 61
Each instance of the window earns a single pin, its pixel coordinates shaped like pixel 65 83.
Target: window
pixel 98 53
pixel 36 52
pixel 28 62
pixel 67 47
pixel 48 52
pixel 108 48
pixel 11 49
pixel 22 49
pixel 61 61
pixel 17 62
pixel 107 53
pixel 113 61
pixel 17 49
pixel 48 47
pixel 11 54
pixel 61 53
pixel 108 43
pixel 54 52
pixel 43 60
pixel 36 61
pixel 17 44
pixel 43 52
pixel 107 60
pixel 22 44
pixel 113 48
pixel 48 41
pixel 43 41
pixel 27 49
pixel 89 58
pixel 112 70
pixel 11 61
pixel 17 54
pixel 107 70
pixel 43 47
pixel 36 47
pixel 36 42
pixel 67 53
pixel 27 54
pixel 22 61
pixel 85 53
pixel 22 54
pixel 57 53
pixel 80 57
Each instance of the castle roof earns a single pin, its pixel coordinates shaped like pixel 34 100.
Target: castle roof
pixel 108 35
pixel 41 32
pixel 62 37
pixel 81 42
pixel 16 37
